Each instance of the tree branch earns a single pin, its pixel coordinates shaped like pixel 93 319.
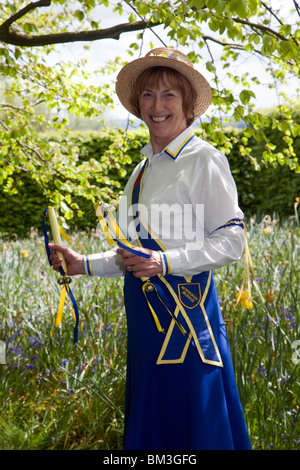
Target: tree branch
pixel 17 39
pixel 271 12
pixel 261 27
pixel 297 7
pixel 32 6
pixel 226 44
pixel 23 108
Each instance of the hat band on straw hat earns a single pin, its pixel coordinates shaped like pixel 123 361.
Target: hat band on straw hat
pixel 163 57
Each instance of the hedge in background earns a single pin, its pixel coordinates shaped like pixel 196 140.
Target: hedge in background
pixel 269 190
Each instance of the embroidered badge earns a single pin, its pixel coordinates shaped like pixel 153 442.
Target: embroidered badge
pixel 189 294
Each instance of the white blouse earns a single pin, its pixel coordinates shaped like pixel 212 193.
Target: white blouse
pixel 188 196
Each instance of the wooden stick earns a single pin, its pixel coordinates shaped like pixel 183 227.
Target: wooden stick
pixel 56 234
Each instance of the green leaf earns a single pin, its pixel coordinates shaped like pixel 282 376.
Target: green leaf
pixel 198 3
pixel 143 8
pixel 132 18
pixel 246 95
pixel 79 15
pixel 239 6
pixel 210 67
pixel 269 45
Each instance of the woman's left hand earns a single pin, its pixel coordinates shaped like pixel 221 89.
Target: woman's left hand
pixel 139 266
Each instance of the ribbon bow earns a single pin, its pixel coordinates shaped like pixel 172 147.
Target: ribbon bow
pixel 113 231
pixel 64 280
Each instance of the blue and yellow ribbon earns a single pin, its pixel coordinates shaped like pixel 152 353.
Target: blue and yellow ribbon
pixel 64 281
pixel 113 231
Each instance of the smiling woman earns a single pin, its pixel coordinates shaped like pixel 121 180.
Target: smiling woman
pixel 167 77
pixel 180 386
pixel 161 108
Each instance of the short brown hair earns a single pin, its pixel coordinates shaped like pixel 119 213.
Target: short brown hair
pixel 151 78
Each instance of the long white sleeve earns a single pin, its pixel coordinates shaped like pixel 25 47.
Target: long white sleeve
pixel 106 264
pixel 189 175
pixel 219 249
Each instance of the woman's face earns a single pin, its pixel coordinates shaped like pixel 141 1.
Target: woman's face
pixel 161 110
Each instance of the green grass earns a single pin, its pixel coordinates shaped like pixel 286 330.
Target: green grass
pixel 57 396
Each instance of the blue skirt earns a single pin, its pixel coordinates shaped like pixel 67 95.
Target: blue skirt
pixel 186 404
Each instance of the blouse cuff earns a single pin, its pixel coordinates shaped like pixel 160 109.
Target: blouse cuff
pixel 171 261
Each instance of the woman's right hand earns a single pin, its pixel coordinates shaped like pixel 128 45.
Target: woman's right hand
pixel 74 261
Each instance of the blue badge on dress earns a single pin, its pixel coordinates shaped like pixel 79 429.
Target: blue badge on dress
pixel 189 294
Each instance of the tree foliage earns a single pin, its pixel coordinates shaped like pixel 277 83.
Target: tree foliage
pixel 219 32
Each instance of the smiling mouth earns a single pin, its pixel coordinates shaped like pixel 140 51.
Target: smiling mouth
pixel 160 118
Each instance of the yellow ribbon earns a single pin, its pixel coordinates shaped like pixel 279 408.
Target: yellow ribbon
pixel 149 287
pixel 103 224
pixel 65 287
pixel 63 234
pixel 61 306
pixel 113 227
pixel 155 317
pixel 112 230
pixel 246 276
pixel 59 314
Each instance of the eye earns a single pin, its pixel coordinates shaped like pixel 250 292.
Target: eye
pixel 146 94
pixel 170 94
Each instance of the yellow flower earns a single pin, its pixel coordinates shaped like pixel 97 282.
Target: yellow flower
pixel 269 224
pixel 269 297
pixel 244 299
pixel 268 230
pixel 24 253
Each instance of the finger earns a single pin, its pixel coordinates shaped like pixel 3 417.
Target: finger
pixel 59 248
pixel 125 254
pixel 54 256
pixel 129 259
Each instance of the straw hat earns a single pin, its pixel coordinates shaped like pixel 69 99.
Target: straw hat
pixel 165 57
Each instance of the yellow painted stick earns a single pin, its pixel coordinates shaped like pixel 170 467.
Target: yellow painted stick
pixel 56 234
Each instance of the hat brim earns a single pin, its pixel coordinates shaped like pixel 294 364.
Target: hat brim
pixel 128 75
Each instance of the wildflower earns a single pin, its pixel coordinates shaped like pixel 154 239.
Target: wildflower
pixel 270 297
pixel 261 371
pixel 243 298
pixel 296 204
pixel 269 224
pixel 268 230
pixel 24 253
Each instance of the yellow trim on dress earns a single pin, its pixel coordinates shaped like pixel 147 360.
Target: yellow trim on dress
pixel 192 334
pixel 175 155
pixel 179 306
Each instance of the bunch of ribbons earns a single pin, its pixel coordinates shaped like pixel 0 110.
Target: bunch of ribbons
pixel 64 281
pixel 114 235
pixel 113 231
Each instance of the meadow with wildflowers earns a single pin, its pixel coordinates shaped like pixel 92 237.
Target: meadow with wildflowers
pixel 54 395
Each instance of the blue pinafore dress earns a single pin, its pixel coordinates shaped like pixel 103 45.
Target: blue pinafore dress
pixel 181 392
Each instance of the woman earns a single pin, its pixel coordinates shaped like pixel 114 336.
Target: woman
pixel 179 208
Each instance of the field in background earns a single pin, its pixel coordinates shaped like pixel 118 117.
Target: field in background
pixel 57 396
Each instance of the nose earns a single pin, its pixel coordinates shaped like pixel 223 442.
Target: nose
pixel 158 104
